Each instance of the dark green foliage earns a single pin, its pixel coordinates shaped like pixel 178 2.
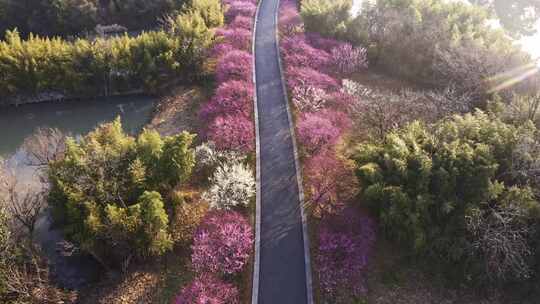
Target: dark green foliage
pixel 109 190
pixel 442 190
pixel 75 17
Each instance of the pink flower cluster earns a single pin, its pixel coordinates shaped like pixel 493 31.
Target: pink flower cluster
pixel 314 68
pixel 345 243
pixel 228 114
pixel 222 243
pixel 240 8
pixel 207 289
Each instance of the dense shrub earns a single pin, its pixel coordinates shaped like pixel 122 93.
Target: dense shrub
pixel 206 289
pixel 345 245
pixel 442 190
pixel 232 133
pixel 222 244
pixel 187 213
pixel 328 18
pixel 106 190
pixel 104 66
pixel 210 10
pixel 74 17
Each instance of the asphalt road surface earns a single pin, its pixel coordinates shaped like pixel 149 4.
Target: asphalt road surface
pixel 282 272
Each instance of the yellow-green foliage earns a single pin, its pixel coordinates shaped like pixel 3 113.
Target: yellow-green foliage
pixel 210 10
pixel 108 189
pixel 326 17
pixel 110 65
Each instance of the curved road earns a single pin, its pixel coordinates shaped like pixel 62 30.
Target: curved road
pixel 281 275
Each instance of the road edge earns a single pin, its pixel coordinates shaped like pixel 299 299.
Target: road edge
pixel 299 179
pixel 257 262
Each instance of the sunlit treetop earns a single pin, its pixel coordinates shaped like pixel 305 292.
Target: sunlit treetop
pixel 518 17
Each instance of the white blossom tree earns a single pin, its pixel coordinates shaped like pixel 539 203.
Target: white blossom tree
pixel 232 185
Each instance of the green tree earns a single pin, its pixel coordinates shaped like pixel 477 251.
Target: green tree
pixel 427 184
pixel 329 18
pixel 108 190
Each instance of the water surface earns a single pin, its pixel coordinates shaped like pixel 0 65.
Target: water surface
pixel 75 117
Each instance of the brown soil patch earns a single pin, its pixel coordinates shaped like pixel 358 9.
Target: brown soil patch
pixel 177 111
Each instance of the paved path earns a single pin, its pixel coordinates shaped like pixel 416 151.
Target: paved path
pixel 282 263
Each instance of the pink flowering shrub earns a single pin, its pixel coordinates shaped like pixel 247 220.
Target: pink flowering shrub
pixel 231 98
pixel 242 22
pixel 222 244
pixel 232 132
pixel 240 8
pixel 290 21
pixel 347 59
pixel 207 289
pixel 345 244
pixel 297 52
pixel 316 132
pixel 230 2
pixel 319 42
pixel 235 65
pixel 221 49
pixel 304 76
pixel 238 38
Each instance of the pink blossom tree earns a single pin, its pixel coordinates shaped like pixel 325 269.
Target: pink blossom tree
pixel 345 245
pixel 298 76
pixel 240 8
pixel 238 38
pixel 221 49
pixel 347 59
pixel 230 132
pixel 290 21
pixel 323 43
pixel 231 98
pixel 235 65
pixel 207 289
pixel 330 182
pixel 316 133
pixel 242 22
pixel 222 244
pixel 297 52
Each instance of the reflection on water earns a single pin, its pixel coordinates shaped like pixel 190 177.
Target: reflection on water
pixel 71 271
pixel 76 117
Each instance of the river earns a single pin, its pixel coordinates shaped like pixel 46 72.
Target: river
pixel 75 118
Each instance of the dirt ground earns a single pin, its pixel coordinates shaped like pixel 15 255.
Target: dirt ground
pixel 178 111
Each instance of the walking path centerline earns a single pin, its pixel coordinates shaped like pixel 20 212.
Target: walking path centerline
pixel 282 273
